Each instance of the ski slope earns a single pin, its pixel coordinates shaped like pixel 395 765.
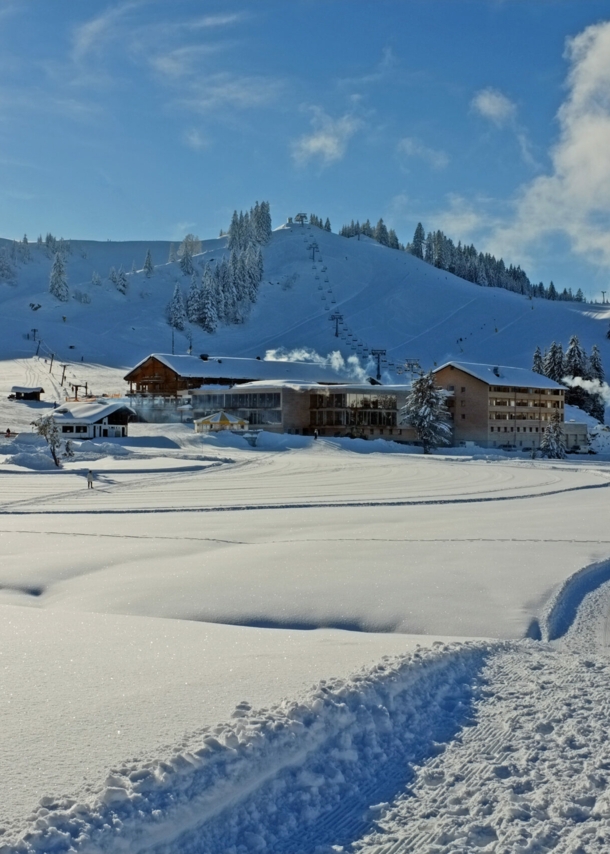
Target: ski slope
pixel 388 299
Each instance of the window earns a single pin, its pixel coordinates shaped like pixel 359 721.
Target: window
pixel 67 428
pixel 450 388
pixel 463 388
pixel 463 417
pixel 80 429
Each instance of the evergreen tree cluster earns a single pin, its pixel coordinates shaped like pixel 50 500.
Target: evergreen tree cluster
pixel 481 268
pixel 225 291
pixel 380 233
pixel 250 228
pixel 317 221
pixel 560 366
pixel 58 280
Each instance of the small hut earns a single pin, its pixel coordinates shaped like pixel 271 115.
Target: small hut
pixel 220 421
pixel 21 392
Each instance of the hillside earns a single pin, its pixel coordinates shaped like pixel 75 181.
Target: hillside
pixel 388 299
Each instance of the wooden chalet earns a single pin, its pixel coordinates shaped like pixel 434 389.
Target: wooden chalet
pixel 164 375
pixel 20 392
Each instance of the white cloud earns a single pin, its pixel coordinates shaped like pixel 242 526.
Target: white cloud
pixel 194 139
pixel 227 89
pixel 182 61
pixel 208 21
pixel 411 147
pixel 91 36
pixel 574 199
pixel 493 105
pixel 329 139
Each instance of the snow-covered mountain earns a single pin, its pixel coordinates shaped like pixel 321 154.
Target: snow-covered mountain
pixel 388 300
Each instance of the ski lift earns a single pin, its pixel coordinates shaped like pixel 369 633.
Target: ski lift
pixel 320 288
pixel 326 278
pixel 317 277
pixel 333 300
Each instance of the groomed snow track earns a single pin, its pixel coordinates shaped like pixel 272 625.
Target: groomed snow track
pixel 296 778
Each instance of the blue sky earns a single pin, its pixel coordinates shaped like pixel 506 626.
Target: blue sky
pixel 147 119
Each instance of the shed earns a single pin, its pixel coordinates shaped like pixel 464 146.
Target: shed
pixel 220 421
pixel 23 392
pixel 93 420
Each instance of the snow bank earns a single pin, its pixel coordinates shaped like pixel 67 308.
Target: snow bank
pixel 36 462
pixel 302 774
pixel 561 611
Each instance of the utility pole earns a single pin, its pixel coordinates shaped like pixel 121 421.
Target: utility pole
pixel 51 365
pixel 314 247
pixel 603 297
pixel 379 354
pixel 413 366
pixel 76 388
pixel 63 374
pixel 34 331
pixel 337 318
pixel 38 348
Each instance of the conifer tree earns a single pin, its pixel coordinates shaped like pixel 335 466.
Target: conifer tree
pixel 575 361
pixel 419 237
pixel 327 225
pixel 425 410
pixel 96 279
pixel 193 300
pixel 537 364
pixel 149 267
pixel 552 444
pixel 209 317
pixel 381 233
pixel 596 369
pixel 186 262
pixel 58 280
pixel 122 282
pixel 112 275
pixel 176 309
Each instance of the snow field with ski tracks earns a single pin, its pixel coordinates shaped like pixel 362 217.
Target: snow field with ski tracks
pixel 157 673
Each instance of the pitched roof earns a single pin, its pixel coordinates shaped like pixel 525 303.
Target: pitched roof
pixel 23 389
pixel 502 375
pixel 86 413
pixel 232 367
pixel 221 418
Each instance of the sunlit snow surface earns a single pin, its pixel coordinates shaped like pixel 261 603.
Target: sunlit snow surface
pixel 215 649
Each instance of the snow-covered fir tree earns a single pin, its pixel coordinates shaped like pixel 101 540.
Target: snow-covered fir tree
pixel 419 237
pixel 149 267
pixel 552 444
pixel 596 369
pixel 327 226
pixel 553 363
pixel 208 317
pixel 112 275
pixel 96 279
pixel 122 282
pixel 537 362
pixel 425 410
pixel 575 359
pixel 176 309
pixel 186 262
pixel 58 280
pixel 193 300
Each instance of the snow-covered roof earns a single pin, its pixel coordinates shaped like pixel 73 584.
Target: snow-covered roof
pixel 502 375
pixel 238 368
pixel 315 386
pixel 86 413
pixel 23 389
pixel 220 418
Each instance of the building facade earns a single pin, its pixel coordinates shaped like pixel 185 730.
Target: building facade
pixel 496 406
pixel 349 409
pixel 93 420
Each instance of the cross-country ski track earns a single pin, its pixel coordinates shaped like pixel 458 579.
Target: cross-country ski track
pixel 459 658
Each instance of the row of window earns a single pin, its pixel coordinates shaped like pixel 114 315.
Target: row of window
pixel 512 429
pixel 352 400
pixel 541 391
pixel 520 416
pixel 256 400
pixel 352 418
pixel 530 404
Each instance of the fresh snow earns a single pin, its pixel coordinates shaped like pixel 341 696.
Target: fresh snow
pixel 305 646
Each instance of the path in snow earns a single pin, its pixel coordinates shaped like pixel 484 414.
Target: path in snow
pixel 533 775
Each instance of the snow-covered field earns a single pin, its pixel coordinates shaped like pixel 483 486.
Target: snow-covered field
pixel 215 649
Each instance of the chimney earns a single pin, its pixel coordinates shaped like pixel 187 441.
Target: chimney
pixel 204 357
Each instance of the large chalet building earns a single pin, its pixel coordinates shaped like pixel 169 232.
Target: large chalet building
pixel 498 406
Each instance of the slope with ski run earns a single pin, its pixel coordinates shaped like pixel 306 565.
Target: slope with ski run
pixel 128 633
pixel 388 299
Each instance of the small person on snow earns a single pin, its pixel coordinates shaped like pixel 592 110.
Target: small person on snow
pixel 315 434
pixel 89 479
pixel 8 433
